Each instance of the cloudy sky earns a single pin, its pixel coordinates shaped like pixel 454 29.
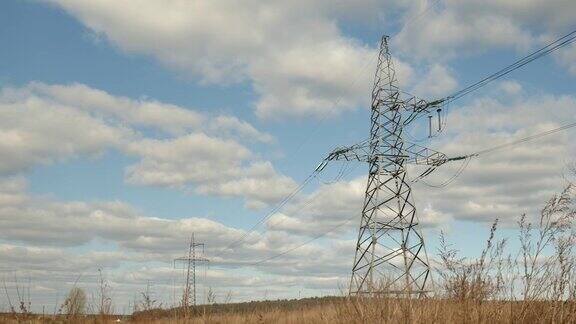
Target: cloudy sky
pixel 127 125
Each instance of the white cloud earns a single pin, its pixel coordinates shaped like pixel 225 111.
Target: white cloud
pixel 567 57
pixel 335 207
pixel 36 220
pixel 55 259
pixel 56 132
pixel 509 182
pixel 190 158
pixel 212 166
pixel 166 117
pixel 511 87
pixel 196 150
pixel 292 52
pixel 52 234
pixel 12 189
pixel 437 82
pixel 228 126
pixel 40 221
pixel 259 182
pixel 454 27
pixel 313 79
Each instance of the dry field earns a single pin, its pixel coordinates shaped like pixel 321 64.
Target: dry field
pixel 354 311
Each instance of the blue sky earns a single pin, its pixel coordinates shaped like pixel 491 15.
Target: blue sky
pixel 127 126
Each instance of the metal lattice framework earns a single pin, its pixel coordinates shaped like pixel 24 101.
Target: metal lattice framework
pixel 390 253
pixel 191 260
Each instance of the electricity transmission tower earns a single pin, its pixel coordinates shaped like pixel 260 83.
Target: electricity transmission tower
pixel 390 253
pixel 191 259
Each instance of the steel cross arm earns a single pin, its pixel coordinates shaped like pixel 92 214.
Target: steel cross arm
pixel 191 259
pixel 421 155
pixel 358 152
pixel 416 107
pixel 411 153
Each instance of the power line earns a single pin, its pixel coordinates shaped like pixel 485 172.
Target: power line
pixel 447 182
pixel 306 204
pixel 551 47
pixel 271 212
pixel 303 244
pixel 422 13
pixel 282 203
pixel 523 140
pixel 335 103
pixel 496 148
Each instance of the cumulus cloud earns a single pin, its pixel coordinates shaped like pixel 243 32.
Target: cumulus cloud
pixel 230 126
pixel 197 150
pixel 502 184
pixel 212 166
pixel 511 87
pixel 258 181
pixel 452 28
pixel 567 58
pixel 166 117
pixel 293 53
pixel 334 208
pixel 146 112
pixel 190 158
pixel 437 82
pixel 46 222
pixel 509 182
pixel 56 132
pixel 299 62
pixel 36 220
pixel 48 238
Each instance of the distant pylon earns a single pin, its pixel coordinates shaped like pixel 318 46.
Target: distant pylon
pixel 191 259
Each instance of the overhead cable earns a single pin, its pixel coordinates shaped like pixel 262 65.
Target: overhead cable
pixel 549 48
pixel 495 148
pixel 304 243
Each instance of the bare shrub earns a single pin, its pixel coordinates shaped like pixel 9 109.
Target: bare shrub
pixel 23 297
pixel 147 302
pixel 75 303
pixel 464 279
pixel 105 306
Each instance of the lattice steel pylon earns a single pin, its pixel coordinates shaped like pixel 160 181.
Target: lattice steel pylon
pixel 390 253
pixel 389 245
pixel 190 284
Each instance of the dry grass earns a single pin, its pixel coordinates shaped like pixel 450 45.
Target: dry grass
pixel 399 311
pixel 367 311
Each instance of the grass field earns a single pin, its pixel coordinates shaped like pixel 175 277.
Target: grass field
pixel 343 310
